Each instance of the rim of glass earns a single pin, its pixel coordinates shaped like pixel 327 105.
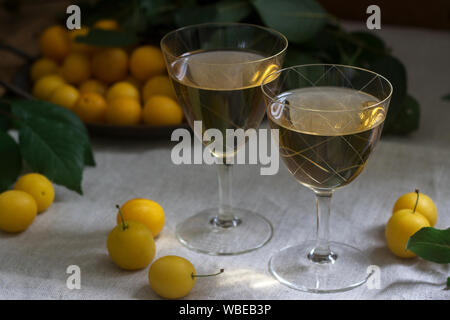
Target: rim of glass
pixel 273 31
pixel 273 99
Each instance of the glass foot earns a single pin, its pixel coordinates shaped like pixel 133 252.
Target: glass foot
pixel 206 234
pixel 293 268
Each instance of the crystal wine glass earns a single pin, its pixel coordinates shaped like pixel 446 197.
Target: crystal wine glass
pixel 330 118
pixel 216 70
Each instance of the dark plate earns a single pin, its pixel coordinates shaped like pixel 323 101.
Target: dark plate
pixel 23 82
pixel 141 131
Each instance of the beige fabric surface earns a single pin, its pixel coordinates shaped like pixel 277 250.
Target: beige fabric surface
pixel 74 230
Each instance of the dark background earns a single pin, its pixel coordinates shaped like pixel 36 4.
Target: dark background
pixel 419 13
pixel 21 28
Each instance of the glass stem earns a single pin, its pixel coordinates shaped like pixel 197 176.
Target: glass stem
pixel 322 252
pixel 225 217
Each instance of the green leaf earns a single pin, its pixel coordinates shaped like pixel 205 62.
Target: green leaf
pixel 431 244
pixel 295 56
pixel 323 45
pixel 134 16
pixel 4 123
pixel 153 12
pixel 10 161
pixel 185 3
pixel 404 111
pixel 108 38
pixel 5 120
pixel 222 11
pixel 297 20
pixel 446 97
pixel 55 113
pixel 358 48
pixel 153 8
pixel 106 9
pixel 89 159
pixel 232 10
pixel 392 69
pixel 53 141
pixel 369 41
pixel 448 283
pixel 369 46
pixel 406 120
pixel 51 149
pixel 193 15
pixel 141 16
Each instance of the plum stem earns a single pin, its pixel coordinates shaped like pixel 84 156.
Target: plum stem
pixel 417 200
pixel 124 225
pixel 206 275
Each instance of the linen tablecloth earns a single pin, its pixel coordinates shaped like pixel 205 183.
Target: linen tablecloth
pixel 74 230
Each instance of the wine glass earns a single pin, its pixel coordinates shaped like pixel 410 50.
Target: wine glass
pixel 329 119
pixel 216 70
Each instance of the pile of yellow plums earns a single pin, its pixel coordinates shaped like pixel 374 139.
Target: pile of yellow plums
pixel 118 86
pixel 33 193
pixel 131 246
pixel 412 212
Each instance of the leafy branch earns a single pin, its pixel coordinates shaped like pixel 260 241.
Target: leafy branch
pixel 52 141
pixel 314 36
pixel 431 244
